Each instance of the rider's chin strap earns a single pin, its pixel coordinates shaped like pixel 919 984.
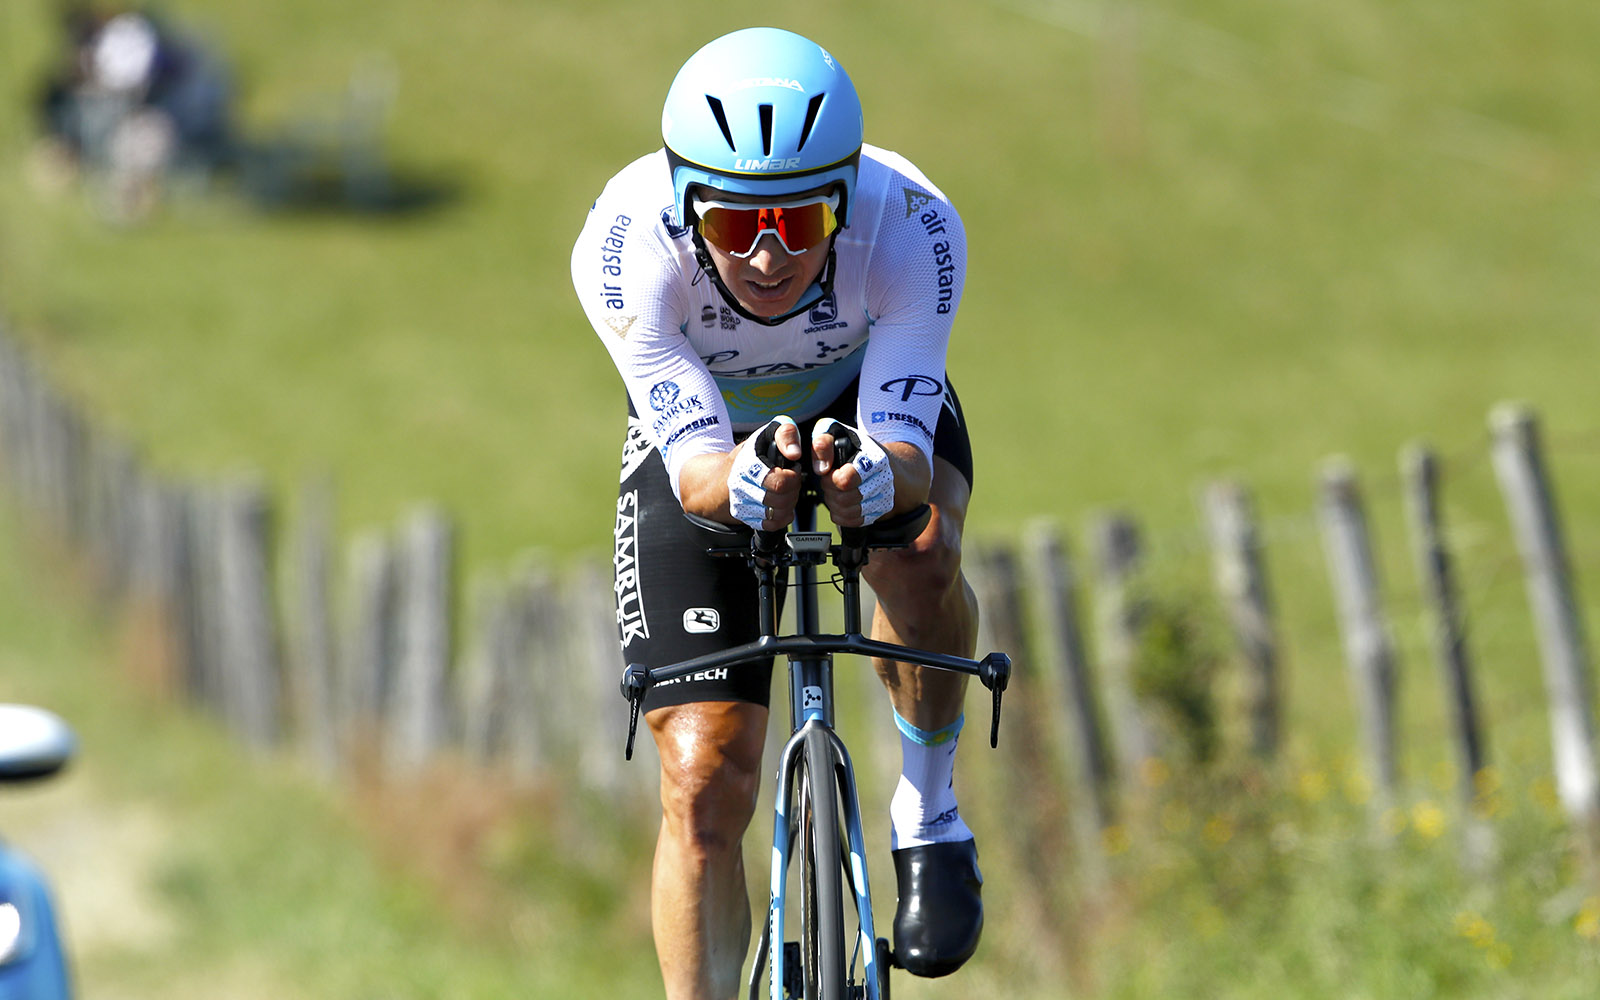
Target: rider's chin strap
pixel 816 293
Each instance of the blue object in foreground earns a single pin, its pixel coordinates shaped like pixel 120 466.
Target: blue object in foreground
pixel 34 744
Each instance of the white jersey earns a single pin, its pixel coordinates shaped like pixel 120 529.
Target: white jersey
pixel 699 373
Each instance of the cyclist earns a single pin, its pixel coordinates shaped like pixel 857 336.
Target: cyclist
pixel 766 270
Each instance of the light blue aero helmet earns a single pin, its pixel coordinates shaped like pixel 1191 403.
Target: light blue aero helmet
pixel 762 112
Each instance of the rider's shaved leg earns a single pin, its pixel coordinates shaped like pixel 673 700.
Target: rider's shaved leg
pixel 700 907
pixel 924 601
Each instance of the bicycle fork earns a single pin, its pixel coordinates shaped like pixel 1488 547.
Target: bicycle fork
pixel 785 980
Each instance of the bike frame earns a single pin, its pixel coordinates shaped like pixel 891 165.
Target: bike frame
pixel 811 698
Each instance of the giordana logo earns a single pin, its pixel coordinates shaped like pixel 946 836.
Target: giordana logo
pixel 664 394
pixel 669 219
pixel 769 81
pixel 766 166
pixel 700 621
pixel 825 317
pixel 912 385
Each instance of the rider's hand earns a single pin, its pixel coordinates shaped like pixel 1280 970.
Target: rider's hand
pixel 861 489
pixel 758 494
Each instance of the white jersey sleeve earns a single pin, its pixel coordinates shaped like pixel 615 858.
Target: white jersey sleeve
pixel 629 283
pixel 915 277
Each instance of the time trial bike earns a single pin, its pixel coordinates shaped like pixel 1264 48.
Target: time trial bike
pixel 818 814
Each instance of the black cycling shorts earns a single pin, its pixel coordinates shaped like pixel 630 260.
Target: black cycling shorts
pixel 673 601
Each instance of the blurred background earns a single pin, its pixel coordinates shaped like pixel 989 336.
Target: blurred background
pixel 312 260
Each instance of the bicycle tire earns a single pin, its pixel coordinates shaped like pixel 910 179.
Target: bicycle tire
pixel 821 869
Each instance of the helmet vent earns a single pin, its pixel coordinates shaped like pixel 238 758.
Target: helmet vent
pixel 722 121
pixel 766 129
pixel 811 119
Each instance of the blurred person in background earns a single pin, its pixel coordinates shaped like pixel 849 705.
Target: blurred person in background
pixel 133 103
pixel 767 271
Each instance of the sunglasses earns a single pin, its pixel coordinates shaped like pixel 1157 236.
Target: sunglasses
pixel 799 225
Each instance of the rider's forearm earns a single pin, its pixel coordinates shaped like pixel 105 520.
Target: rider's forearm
pixel 703 485
pixel 913 475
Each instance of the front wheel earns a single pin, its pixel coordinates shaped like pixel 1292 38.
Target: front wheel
pixel 822 898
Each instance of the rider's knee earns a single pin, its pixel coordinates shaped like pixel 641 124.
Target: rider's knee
pixel 708 794
pixel 930 566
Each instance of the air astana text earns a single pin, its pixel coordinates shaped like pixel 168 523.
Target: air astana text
pixel 944 259
pixel 611 261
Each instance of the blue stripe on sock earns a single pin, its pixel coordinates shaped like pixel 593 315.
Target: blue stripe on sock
pixel 931 739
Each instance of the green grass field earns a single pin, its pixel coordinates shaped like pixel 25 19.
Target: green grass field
pixel 1222 238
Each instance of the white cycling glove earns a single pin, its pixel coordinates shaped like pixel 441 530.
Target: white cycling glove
pixel 871 464
pixel 747 498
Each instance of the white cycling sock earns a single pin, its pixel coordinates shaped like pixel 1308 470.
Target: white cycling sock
pixel 923 810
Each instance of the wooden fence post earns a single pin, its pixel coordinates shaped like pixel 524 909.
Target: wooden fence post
pixel 542 726
pixel 1088 760
pixel 484 680
pixel 249 636
pixel 156 569
pixel 593 672
pixel 115 490
pixel 26 435
pixel 1241 580
pixel 418 711
pixel 10 399
pixel 1118 617
pixel 1525 484
pixel 1031 793
pixel 1419 468
pixel 196 553
pixel 370 642
pixel 314 685
pixel 71 462
pixel 1369 648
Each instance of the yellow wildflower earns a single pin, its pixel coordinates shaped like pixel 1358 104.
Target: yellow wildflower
pixel 1428 820
pixel 1313 786
pixel 1154 772
pixel 1588 921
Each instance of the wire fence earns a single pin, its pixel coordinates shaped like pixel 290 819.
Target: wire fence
pixel 347 653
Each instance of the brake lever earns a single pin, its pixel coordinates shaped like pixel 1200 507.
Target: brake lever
pixel 995 673
pixel 635 682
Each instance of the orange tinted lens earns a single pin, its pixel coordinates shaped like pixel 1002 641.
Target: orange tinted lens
pixel 736 229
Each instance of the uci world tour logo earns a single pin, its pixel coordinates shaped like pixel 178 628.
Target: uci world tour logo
pixel 663 395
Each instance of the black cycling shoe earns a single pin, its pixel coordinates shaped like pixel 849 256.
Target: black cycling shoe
pixel 940 916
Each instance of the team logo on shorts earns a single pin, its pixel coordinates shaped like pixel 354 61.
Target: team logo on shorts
pixel 698 621
pixel 631 623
